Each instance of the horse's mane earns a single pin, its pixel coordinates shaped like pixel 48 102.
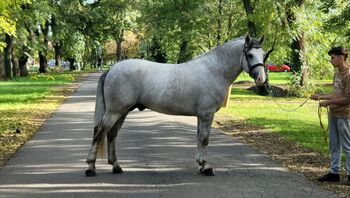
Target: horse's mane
pixel 213 51
pixel 253 43
pixel 228 43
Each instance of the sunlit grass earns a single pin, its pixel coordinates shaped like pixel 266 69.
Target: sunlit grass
pixel 280 78
pixel 27 98
pixel 301 125
pixel 25 103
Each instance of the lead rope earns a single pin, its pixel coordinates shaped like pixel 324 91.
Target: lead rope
pixel 270 94
pixel 324 130
pixel 319 111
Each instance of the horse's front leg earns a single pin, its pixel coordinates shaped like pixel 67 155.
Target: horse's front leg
pixel 203 131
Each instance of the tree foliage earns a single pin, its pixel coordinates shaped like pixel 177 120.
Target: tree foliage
pixel 298 32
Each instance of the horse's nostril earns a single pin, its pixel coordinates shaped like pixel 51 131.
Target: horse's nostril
pixel 259 80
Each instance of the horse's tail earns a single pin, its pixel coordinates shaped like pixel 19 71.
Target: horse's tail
pixel 100 109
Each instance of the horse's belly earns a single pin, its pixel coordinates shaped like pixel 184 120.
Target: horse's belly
pixel 171 106
pixel 172 112
pixel 173 109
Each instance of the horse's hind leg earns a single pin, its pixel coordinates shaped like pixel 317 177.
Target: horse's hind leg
pixel 203 131
pixel 111 136
pixel 99 133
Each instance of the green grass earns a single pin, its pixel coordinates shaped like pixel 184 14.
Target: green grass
pixel 301 126
pixel 280 78
pixel 27 90
pixel 25 103
pixel 25 99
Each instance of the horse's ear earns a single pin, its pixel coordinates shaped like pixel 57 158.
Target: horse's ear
pixel 247 39
pixel 261 40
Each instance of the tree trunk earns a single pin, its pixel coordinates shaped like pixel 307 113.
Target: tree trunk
pixel 2 68
pixel 227 97
pixel 249 11
pixel 156 52
pixel 43 51
pixel 229 22
pixel 185 53
pixel 7 56
pixel 219 30
pixel 71 64
pixel 119 41
pixel 298 56
pixel 57 48
pixel 42 63
pixel 22 64
pixel 15 69
pixel 302 59
pixel 119 50
pixel 14 62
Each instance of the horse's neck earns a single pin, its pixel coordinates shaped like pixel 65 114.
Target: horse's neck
pixel 225 61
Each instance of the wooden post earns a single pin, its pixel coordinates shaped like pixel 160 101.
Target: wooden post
pixel 227 97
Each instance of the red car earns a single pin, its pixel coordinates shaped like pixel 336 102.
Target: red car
pixel 282 68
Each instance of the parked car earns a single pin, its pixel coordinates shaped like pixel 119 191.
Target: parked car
pixel 282 68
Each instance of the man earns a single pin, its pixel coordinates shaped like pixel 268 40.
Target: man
pixel 339 116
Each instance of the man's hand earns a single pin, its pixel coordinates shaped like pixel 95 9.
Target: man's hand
pixel 315 97
pixel 324 103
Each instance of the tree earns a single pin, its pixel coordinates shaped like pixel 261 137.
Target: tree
pixel 24 41
pixel 249 8
pixel 175 23
pixel 118 18
pixel 9 9
pixel 67 32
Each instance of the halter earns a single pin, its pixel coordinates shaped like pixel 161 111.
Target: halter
pixel 250 66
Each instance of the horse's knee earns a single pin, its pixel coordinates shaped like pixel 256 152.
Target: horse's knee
pixel 205 141
pixel 203 138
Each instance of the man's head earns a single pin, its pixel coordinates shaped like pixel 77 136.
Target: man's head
pixel 338 56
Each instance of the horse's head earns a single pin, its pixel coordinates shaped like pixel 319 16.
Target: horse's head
pixel 253 62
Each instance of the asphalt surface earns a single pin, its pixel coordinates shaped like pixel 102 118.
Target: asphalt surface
pixel 156 152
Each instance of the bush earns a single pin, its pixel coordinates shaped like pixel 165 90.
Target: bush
pixel 296 90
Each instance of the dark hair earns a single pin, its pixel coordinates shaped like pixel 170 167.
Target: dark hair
pixel 339 51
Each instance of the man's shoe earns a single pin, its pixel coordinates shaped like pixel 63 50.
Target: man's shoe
pixel 330 177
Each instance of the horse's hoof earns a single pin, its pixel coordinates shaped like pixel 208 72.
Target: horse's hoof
pixel 117 169
pixel 90 173
pixel 207 171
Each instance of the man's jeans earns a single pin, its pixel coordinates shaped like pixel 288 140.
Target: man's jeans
pixel 339 139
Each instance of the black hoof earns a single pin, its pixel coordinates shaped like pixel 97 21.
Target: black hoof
pixel 207 172
pixel 117 170
pixel 90 173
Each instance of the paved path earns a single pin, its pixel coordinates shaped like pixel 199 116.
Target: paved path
pixel 156 152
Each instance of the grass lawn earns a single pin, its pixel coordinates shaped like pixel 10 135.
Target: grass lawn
pixel 25 103
pixel 301 126
pixel 279 78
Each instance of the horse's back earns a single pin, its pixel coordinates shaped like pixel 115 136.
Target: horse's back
pixel 166 88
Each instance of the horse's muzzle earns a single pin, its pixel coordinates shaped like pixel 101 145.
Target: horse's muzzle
pixel 259 81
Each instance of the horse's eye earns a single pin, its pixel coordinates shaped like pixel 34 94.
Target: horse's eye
pixel 250 56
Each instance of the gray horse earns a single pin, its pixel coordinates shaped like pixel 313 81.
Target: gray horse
pixel 195 88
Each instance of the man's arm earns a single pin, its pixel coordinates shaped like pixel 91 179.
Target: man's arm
pixel 322 96
pixel 336 101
